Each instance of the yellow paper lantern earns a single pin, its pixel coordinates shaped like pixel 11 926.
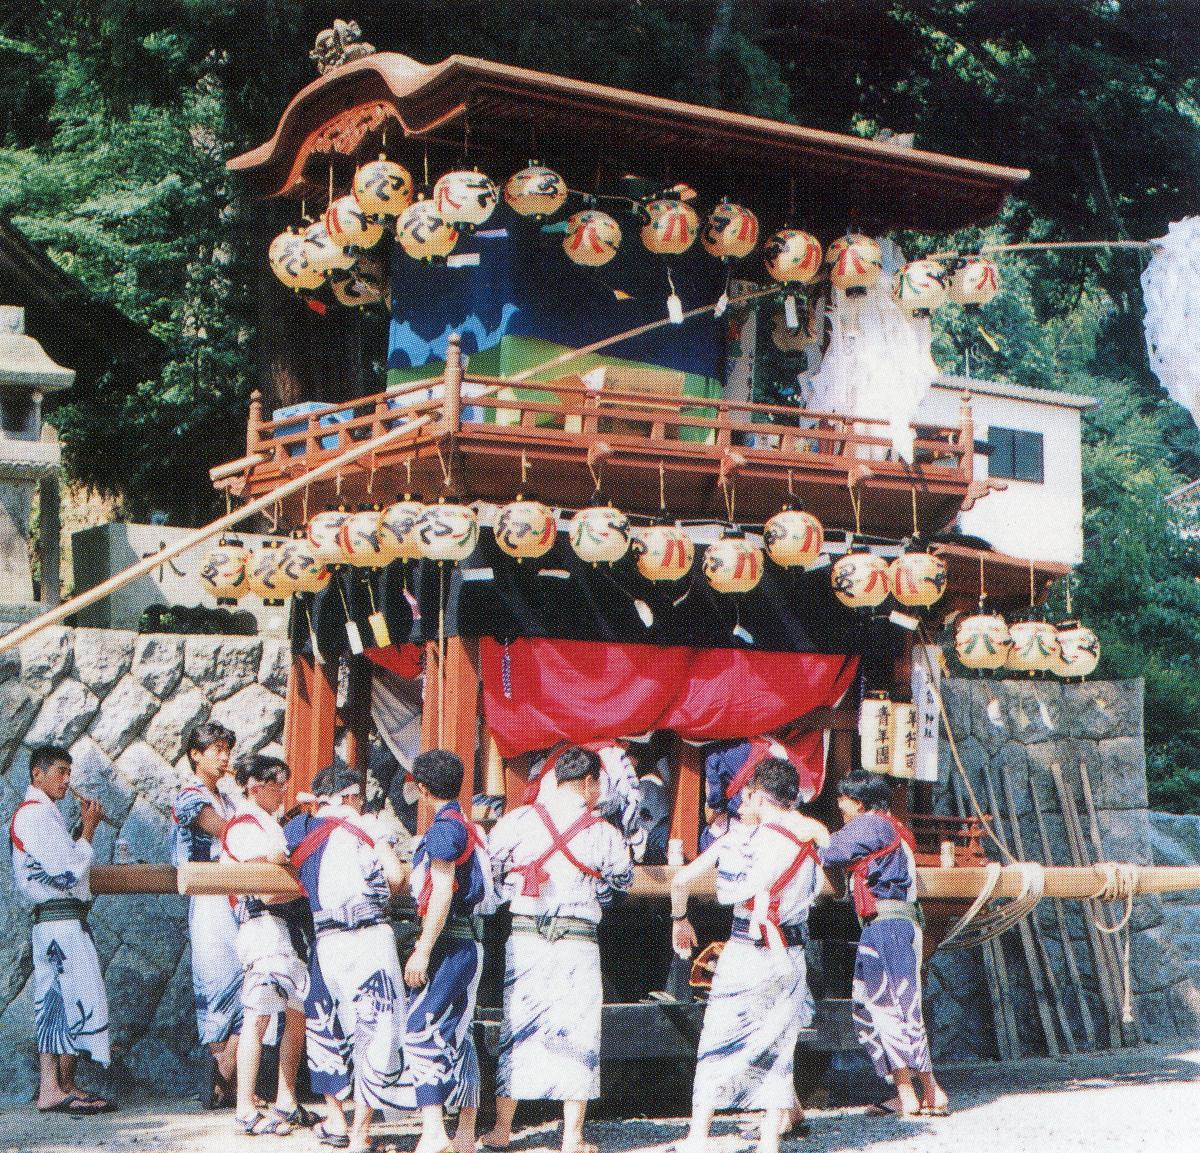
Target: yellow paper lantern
pixel 223 571
pixel 383 188
pixel 525 529
pixel 359 539
pixel 398 536
pixel 325 254
pixel 671 229
pixel 730 232
pixel 917 579
pixel 465 200
pixel 447 532
pixel 975 281
pixel 348 224
pixel 792 257
pixel 600 535
pixel 664 552
pixel 1034 647
pixel 794 538
pixel 733 565
pixel 839 245
pixel 592 238
pixel 920 287
pixel 1078 650
pixel 858 265
pixel 264 577
pixel 983 641
pixel 322 534
pixel 860 579
pixel 535 191
pixel 423 234
pixel 299 567
pixel 289 260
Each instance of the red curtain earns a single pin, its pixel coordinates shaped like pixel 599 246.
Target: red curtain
pixel 406 660
pixel 538 692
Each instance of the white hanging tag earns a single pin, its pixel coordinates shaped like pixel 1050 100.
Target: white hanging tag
pixel 903 620
pixel 791 317
pixel 379 630
pixel 354 637
pixel 643 611
pixel 463 260
pixel 743 635
pixel 675 309
pixel 722 304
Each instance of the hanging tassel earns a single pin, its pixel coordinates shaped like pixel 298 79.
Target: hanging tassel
pixel 1171 290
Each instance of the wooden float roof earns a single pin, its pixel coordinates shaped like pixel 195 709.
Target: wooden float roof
pixel 512 113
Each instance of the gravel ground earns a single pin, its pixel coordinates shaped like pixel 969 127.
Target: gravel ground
pixel 1136 1101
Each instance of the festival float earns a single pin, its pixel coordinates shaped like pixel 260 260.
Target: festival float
pixel 570 516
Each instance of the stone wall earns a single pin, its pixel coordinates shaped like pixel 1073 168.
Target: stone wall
pixel 125 704
pixel 1016 730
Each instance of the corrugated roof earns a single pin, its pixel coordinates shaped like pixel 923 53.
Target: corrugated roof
pixel 1012 391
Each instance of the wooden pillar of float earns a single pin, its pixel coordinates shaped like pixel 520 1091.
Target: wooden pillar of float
pixel 310 722
pixel 357 715
pixel 450 710
pixel 689 789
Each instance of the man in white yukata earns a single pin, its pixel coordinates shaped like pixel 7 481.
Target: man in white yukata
pixel 557 863
pixel 51 870
pixel 275 978
pixel 356 1028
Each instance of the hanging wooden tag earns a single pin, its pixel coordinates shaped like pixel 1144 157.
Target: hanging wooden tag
pixel 379 630
pixel 354 637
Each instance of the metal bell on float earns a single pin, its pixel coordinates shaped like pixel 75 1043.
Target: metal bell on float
pixel 599 535
pixel 792 257
pixel 1034 647
pixel 363 287
pixel 732 564
pixel 223 571
pixel 664 552
pixel 535 191
pixel 348 224
pixel 358 538
pixel 289 260
pixel 423 234
pixel 322 534
pixel 299 567
pixel 671 229
pixel 860 579
pixel 975 280
pixel 730 232
pixel 592 238
pixel 264 577
pixel 920 287
pixel 794 538
pixel 982 641
pixel 1078 650
pixel 383 188
pixel 917 578
pixel 857 266
pixel 324 253
pixel 465 199
pixel 398 537
pixel 447 532
pixel 525 529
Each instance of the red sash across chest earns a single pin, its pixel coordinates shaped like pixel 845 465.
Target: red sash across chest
pixel 318 835
pixel 474 839
pixel 865 904
pixel 804 852
pixel 533 873
pixel 12 824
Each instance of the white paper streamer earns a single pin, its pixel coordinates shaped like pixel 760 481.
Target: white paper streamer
pixel 1171 290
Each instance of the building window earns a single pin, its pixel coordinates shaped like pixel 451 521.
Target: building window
pixel 1015 454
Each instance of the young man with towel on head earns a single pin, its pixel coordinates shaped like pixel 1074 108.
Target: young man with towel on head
pixel 557 863
pixel 51 870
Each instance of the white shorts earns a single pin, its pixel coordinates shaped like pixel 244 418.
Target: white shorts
pixel 275 983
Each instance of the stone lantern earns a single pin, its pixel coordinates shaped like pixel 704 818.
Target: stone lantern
pixel 26 375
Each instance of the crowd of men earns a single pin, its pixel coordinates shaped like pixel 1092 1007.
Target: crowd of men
pixel 321 974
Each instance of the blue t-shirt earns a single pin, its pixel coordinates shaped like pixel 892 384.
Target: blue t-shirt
pixel 446 840
pixel 891 877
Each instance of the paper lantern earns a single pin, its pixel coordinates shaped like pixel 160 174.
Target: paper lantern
pixel 671 229
pixel 447 532
pixel 363 287
pixel 525 529
pixel 535 191
pixel 839 245
pixel 875 733
pixel 464 200
pixel 358 538
pixel 730 232
pixel 1078 650
pixel 423 234
pixel 792 256
pixel 860 579
pixel 983 641
pixel 904 740
pixel 592 238
pixel 398 536
pixel 794 538
pixel 223 571
pixel 975 281
pixel 348 224
pixel 299 567
pixel 733 564
pixel 322 534
pixel 383 188
pixel 1034 647
pixel 600 535
pixel 324 254
pixel 263 576
pixel 288 257
pixel 920 287
pixel 917 579
pixel 664 552
pixel 858 265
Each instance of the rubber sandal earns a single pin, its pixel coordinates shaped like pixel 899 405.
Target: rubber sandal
pixel 325 1136
pixel 888 1109
pixel 298 1118
pixel 262 1125
pixel 79 1106
pixel 935 1110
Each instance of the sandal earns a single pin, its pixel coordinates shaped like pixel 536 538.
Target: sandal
pixel 326 1136
pixel 298 1118
pixel 890 1108
pixel 260 1125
